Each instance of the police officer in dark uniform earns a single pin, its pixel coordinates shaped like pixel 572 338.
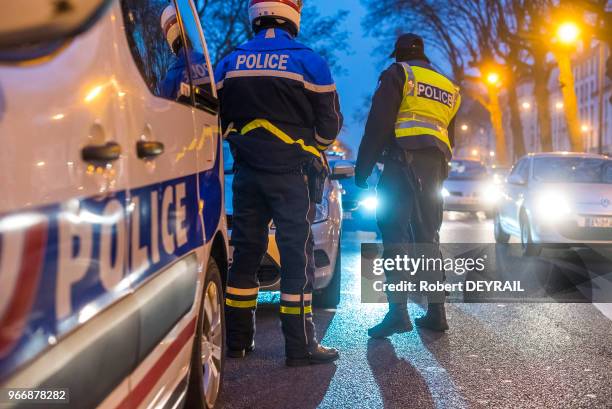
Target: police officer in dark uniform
pixel 177 74
pixel 411 130
pixel 280 106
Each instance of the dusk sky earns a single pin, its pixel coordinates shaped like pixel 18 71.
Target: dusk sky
pixel 362 66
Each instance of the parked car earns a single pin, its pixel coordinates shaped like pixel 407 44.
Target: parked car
pixel 326 229
pixel 556 198
pixel 113 246
pixel 469 188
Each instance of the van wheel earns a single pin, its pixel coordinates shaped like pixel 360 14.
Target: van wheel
pixel 501 237
pixel 208 358
pixel 530 249
pixel 329 297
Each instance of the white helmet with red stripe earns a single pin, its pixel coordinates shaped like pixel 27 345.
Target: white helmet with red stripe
pixel 171 29
pixel 284 10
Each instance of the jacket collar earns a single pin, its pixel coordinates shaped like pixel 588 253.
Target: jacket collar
pixel 420 63
pixel 273 39
pixel 274 33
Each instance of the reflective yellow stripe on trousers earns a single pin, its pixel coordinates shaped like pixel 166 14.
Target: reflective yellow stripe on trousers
pixel 295 310
pixel 241 304
pixel 268 126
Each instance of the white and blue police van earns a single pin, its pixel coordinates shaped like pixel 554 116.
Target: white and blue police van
pixel 113 243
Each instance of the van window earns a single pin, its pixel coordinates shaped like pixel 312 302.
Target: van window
pixel 196 53
pixel 161 64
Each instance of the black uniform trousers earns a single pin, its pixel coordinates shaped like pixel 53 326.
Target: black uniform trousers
pixel 258 198
pixel 410 212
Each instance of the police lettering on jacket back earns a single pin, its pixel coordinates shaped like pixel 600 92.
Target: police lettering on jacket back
pixel 281 99
pixel 266 61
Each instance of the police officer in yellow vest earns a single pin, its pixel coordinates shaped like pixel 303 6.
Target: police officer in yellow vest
pixel 410 130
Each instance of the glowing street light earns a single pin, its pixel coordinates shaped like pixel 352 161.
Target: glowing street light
pixel 559 106
pixel 493 78
pixel 492 154
pixel 526 106
pixel 568 33
pixel 474 152
pixel 464 127
pixel 585 128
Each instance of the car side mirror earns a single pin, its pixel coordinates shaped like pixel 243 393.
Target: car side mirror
pixel 343 170
pixel 517 180
pixel 23 23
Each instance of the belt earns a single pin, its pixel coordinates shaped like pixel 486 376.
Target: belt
pixel 268 126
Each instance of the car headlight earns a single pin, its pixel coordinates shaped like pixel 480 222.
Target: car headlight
pixel 445 192
pixel 491 193
pixel 552 206
pixel 322 212
pixel 369 203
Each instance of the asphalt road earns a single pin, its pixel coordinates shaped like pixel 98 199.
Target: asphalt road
pixel 494 356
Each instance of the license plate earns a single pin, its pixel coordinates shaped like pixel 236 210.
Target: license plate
pixel 348 216
pixel 601 222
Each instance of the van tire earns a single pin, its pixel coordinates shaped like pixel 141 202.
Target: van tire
pixel 205 382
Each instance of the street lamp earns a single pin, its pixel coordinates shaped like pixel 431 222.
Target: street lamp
pixel 586 130
pixel 492 78
pixel 464 127
pixel 526 106
pixel 565 40
pixel 568 33
pixel 559 106
pixel 474 152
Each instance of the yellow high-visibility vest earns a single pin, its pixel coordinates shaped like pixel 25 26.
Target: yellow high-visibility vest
pixel 430 103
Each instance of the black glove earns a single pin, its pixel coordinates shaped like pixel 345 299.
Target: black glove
pixel 361 182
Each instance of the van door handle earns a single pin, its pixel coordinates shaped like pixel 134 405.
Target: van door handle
pixel 149 149
pixel 101 154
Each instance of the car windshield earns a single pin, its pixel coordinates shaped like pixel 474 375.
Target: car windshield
pixel 573 170
pixel 467 170
pixel 228 159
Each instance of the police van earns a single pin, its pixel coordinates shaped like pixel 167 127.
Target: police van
pixel 113 243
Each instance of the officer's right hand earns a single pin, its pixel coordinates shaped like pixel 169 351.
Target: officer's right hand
pixel 361 182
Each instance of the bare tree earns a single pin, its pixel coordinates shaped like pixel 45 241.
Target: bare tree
pixel 227 25
pixel 462 33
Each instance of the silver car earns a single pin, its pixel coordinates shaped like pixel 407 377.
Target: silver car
pixel 326 231
pixel 470 187
pixel 556 198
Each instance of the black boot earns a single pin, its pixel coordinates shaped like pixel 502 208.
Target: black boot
pixel 240 353
pixel 396 321
pixel 435 319
pixel 317 355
